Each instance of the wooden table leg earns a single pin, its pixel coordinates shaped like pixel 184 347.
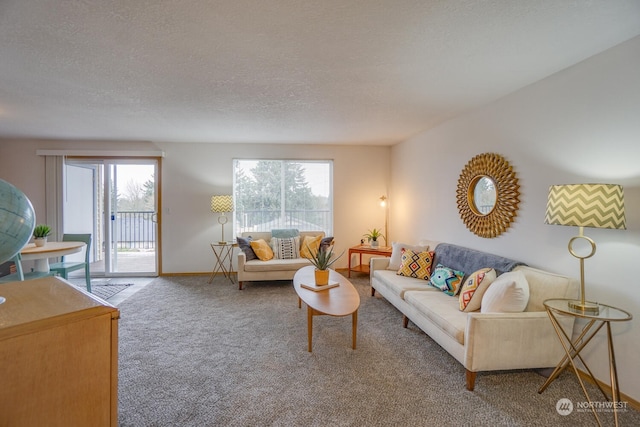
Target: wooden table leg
pixel 310 325
pixel 354 327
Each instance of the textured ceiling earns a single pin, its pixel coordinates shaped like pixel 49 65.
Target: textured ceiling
pixel 313 71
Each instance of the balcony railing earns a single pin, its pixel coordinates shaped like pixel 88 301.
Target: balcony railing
pixel 261 220
pixel 135 230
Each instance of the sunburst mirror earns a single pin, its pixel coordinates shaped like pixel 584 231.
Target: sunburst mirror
pixel 488 195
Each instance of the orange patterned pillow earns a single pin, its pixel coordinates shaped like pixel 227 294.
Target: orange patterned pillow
pixel 416 264
pixel 473 289
pixel 262 249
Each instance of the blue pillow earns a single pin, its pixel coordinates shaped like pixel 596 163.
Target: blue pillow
pixel 284 233
pixel 245 245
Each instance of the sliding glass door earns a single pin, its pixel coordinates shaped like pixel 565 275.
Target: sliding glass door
pixel 117 201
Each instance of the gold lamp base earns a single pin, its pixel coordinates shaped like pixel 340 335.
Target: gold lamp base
pixel 584 307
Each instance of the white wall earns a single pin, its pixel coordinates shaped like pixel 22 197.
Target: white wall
pixel 192 173
pixel 580 125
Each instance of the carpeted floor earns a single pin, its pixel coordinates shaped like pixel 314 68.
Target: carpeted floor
pixel 199 354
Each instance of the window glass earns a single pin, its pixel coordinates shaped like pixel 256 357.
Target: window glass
pixel 272 194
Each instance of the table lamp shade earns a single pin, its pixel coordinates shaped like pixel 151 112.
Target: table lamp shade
pixel 586 205
pixel 222 203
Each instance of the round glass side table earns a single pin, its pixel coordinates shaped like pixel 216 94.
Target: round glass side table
pixel 595 321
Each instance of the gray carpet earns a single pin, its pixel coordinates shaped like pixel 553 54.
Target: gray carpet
pixel 199 354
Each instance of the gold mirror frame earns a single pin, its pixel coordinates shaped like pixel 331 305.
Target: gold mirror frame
pixel 495 167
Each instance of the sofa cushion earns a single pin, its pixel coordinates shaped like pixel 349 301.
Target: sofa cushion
pixel 245 246
pixel 276 265
pixel 309 246
pixel 416 264
pixel 285 247
pixel 446 279
pixel 262 249
pixel 283 233
pixel 474 288
pixel 509 293
pixel 442 310
pixel 399 285
pixel 396 253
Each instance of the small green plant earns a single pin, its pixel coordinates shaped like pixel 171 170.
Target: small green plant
pixel 373 234
pixel 322 260
pixel 41 231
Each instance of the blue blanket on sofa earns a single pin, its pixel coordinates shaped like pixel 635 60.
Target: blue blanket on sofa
pixel 470 260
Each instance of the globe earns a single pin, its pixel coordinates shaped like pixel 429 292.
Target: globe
pixel 17 220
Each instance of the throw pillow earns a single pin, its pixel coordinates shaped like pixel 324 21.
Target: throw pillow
pixel 285 248
pixel 396 253
pixel 474 288
pixel 262 249
pixel 509 293
pixel 284 232
pixel 416 264
pixel 326 242
pixel 446 279
pixel 309 246
pixel 245 246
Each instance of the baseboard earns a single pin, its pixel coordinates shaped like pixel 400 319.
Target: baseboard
pixel 606 387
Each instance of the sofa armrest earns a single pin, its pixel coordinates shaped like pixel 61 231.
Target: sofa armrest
pixel 242 259
pixel 378 263
pixel 512 341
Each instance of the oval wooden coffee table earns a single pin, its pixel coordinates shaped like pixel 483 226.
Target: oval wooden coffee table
pixel 339 301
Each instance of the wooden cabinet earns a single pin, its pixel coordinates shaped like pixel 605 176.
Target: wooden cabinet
pixel 58 356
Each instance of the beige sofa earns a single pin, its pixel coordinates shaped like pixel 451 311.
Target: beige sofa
pixel 274 269
pixel 480 341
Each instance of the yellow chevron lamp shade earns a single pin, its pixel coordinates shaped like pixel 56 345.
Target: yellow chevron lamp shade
pixel 222 203
pixel 586 205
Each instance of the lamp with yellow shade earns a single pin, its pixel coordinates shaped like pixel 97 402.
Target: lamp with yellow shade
pixel 222 204
pixel 585 205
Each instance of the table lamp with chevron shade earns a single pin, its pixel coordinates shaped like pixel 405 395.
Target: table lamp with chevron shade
pixel 222 204
pixel 585 205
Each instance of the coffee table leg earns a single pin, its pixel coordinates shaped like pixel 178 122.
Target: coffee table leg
pixel 310 325
pixel 354 327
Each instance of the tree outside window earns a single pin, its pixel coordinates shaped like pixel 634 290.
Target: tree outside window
pixel 272 194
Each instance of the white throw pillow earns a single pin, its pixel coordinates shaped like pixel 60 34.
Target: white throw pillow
pixel 396 253
pixel 509 293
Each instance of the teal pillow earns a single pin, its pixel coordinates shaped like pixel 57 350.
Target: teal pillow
pixel 284 233
pixel 446 279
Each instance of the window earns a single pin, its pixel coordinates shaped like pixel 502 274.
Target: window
pixel 272 194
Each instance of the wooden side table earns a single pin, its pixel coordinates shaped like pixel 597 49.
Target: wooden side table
pixel 223 254
pixel 383 251
pixel 605 315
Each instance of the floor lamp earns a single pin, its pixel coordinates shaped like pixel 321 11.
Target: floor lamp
pixel 222 204
pixel 585 205
pixel 383 203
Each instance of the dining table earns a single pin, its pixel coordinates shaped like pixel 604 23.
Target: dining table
pixel 41 254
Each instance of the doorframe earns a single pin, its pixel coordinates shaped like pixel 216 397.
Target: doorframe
pixel 55 161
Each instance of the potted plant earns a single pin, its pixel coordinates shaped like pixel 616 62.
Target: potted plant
pixel 40 233
pixel 373 236
pixel 322 260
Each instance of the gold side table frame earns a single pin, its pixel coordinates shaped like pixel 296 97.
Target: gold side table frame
pixel 223 254
pixel 596 320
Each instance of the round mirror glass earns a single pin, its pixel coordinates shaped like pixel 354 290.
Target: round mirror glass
pixel 484 195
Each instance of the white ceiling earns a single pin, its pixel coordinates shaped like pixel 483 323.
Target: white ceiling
pixel 292 71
